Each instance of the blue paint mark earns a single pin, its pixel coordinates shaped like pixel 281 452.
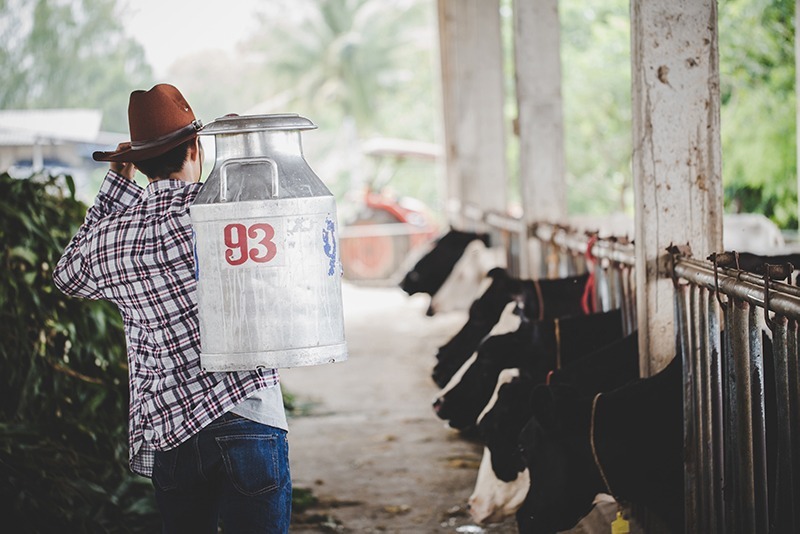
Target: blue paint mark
pixel 196 262
pixel 329 245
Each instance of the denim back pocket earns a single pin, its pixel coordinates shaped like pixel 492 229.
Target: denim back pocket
pixel 253 462
pixel 164 469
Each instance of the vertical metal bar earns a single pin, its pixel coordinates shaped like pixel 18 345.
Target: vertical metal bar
pixel 576 263
pixel 600 300
pixel 743 455
pixel 793 367
pixel 624 291
pixel 783 494
pixel 690 466
pixel 759 426
pixel 627 300
pixel 632 298
pixel 715 402
pixel 731 427
pixel 700 323
pixel 699 468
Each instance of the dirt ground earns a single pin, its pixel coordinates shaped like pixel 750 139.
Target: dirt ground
pixel 370 449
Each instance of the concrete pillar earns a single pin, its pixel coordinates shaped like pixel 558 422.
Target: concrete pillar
pixel 537 48
pixel 676 154
pixel 472 102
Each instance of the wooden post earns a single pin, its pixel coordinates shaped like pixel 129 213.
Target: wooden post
pixel 472 103
pixel 537 47
pixel 676 154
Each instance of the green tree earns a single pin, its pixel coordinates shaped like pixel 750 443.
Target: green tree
pixel 596 76
pixel 757 72
pixel 64 401
pixel 366 60
pixel 69 53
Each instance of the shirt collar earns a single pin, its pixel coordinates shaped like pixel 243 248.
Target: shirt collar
pixel 162 185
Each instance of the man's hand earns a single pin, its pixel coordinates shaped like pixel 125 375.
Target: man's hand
pixel 123 168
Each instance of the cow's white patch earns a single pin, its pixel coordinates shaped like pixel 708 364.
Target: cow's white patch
pixel 509 321
pixel 493 500
pixel 505 376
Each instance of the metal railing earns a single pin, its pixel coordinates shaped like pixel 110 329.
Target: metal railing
pixel 565 251
pixel 738 336
pixel 504 229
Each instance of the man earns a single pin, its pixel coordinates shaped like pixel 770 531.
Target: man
pixel 215 444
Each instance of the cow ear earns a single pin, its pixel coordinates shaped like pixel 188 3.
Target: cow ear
pixel 543 405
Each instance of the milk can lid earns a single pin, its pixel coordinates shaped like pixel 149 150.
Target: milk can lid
pixel 255 123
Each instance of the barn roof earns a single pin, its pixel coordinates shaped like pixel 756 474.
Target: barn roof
pixel 30 126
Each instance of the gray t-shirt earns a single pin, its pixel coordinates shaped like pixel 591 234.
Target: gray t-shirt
pixel 264 406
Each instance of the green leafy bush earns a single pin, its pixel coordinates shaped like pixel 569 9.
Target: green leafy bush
pixel 64 401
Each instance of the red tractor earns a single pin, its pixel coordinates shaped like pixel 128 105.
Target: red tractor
pixel 384 228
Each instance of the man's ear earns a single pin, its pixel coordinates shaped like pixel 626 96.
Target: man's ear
pixel 194 149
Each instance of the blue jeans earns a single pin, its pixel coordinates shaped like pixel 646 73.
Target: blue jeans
pixel 235 470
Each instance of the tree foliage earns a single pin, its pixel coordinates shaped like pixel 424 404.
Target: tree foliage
pixel 352 58
pixel 70 54
pixel 757 75
pixel 597 104
pixel 64 403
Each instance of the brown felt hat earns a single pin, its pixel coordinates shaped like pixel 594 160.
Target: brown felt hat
pixel 159 119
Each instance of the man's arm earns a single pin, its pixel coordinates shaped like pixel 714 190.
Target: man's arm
pixel 73 274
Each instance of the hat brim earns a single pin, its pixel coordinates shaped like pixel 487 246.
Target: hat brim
pixel 133 152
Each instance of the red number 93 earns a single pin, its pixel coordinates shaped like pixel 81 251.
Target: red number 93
pixel 237 239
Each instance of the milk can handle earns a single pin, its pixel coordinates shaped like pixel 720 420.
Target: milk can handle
pixel 223 174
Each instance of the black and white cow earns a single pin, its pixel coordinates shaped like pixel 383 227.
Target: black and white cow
pixel 430 272
pixel 604 369
pixel 536 348
pixel 537 299
pixel 634 433
pixel 501 486
pixel 494 499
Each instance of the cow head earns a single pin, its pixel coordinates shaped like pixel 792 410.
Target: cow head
pixel 493 500
pixel 500 425
pixel 563 480
pixel 431 270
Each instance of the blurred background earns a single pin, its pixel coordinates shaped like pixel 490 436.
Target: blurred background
pixel 367 69
pixel 367 73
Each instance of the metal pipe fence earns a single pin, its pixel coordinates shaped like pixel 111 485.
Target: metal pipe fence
pixel 737 335
pixel 611 259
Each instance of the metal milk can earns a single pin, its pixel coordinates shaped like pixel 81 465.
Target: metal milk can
pixel 266 250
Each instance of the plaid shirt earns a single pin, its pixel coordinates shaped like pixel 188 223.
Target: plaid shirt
pixel 135 249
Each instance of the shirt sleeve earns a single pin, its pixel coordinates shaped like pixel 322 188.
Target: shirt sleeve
pixel 73 274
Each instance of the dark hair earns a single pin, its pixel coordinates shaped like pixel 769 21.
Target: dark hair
pixel 165 164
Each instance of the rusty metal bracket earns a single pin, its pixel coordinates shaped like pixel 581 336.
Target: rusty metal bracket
pixel 774 272
pixel 714 257
pixel 673 251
